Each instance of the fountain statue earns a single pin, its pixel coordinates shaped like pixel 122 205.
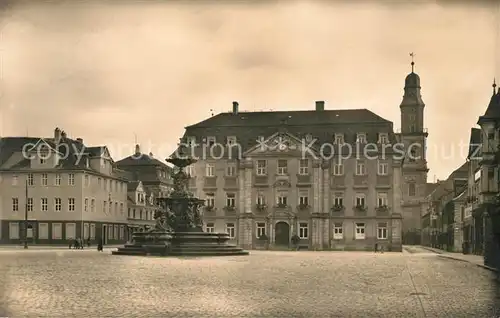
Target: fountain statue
pixel 179 227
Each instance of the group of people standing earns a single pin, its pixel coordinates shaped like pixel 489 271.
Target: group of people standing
pixel 78 244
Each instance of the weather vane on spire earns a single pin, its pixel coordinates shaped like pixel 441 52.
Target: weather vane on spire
pixel 494 85
pixel 412 61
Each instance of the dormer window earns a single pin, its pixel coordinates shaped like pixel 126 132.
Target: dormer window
pixel 191 141
pixel 210 141
pixel 361 138
pixel 231 140
pixel 339 139
pixel 383 138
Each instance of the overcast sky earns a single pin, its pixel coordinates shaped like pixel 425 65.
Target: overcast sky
pixel 105 72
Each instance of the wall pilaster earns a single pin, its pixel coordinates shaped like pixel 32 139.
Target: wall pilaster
pixel 325 166
pixel 248 185
pixel 316 186
pixel 241 186
pixel 397 187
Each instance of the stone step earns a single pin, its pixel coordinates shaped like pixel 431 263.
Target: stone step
pixel 129 252
pixel 208 253
pixel 131 248
pixel 203 246
pixel 176 249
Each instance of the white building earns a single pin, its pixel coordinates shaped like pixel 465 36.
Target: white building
pixel 66 189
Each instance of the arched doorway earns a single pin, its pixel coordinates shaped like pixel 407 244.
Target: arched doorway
pixel 282 233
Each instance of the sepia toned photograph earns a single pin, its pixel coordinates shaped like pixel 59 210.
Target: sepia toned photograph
pixel 249 158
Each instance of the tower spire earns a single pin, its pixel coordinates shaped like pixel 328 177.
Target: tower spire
pixel 494 86
pixel 412 61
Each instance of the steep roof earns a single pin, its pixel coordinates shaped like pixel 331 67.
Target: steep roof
pixel 493 109
pixel 460 172
pixel 474 142
pixel 73 148
pixel 132 185
pixel 140 160
pixel 429 187
pixel 9 145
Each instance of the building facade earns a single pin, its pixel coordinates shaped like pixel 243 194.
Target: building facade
pixel 332 177
pixel 442 219
pixel 489 199
pixel 141 209
pixel 459 204
pixel 473 218
pixel 149 178
pixel 55 189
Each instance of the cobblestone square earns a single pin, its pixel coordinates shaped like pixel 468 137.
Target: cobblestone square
pixel 73 283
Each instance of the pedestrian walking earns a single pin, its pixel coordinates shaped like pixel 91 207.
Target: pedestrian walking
pixel 376 247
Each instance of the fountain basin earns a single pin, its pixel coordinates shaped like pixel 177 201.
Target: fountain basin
pixel 180 244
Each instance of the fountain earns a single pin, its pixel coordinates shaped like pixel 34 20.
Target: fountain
pixel 178 230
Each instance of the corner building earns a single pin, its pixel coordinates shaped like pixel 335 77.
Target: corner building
pixel 259 176
pixel 55 189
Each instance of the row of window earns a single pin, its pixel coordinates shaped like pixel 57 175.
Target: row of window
pixel 303 199
pixel 106 184
pixel 303 230
pixel 140 214
pixel 282 169
pixel 116 232
pixel 111 207
pixel 339 139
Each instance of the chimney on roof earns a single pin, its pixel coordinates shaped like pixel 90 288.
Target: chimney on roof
pixel 235 107
pixel 320 105
pixel 79 140
pixel 63 135
pixel 57 135
pixel 151 154
pixel 137 149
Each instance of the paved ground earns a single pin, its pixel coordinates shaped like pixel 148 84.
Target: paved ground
pixel 72 283
pixel 474 259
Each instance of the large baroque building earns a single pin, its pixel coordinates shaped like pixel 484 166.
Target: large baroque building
pixel 65 189
pixel 339 179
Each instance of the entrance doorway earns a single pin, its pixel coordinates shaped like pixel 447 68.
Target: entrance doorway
pixel 282 234
pixel 104 234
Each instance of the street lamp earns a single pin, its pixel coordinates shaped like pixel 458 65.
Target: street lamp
pixel 26 217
